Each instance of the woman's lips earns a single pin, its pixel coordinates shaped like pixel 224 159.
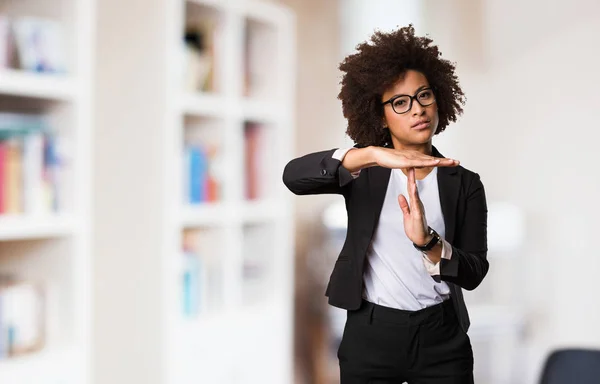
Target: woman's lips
pixel 421 125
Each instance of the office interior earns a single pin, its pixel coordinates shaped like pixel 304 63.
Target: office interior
pixel 145 232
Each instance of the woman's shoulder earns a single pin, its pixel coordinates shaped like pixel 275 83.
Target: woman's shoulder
pixel 471 180
pixel 466 172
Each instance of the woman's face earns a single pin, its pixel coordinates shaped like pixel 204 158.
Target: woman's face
pixel 418 124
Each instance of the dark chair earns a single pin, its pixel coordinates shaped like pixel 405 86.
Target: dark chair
pixel 572 366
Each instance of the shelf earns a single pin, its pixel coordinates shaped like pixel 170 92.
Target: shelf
pixel 262 210
pixel 262 110
pixel 265 12
pixel 37 85
pixel 217 4
pixel 199 104
pixel 21 227
pixel 57 366
pixel 249 212
pixel 206 214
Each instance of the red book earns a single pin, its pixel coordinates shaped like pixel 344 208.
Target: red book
pixel 252 147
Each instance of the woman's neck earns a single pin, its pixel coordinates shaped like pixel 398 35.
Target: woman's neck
pixel 426 148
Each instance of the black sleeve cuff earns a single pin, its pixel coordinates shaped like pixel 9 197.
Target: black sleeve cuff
pixel 450 267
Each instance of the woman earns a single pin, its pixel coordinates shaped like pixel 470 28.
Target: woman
pixel 417 221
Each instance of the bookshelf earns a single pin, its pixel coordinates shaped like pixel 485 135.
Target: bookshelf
pixel 193 279
pixel 244 331
pixel 45 163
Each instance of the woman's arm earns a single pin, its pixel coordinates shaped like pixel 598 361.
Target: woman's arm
pixel 468 264
pixel 320 172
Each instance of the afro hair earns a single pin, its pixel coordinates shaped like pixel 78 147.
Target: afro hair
pixel 377 65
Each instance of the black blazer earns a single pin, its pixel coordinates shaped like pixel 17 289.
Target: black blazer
pixel 464 208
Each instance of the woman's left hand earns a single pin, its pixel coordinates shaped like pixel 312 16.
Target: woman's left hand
pixel 415 222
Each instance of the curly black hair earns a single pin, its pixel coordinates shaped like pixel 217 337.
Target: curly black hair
pixel 377 65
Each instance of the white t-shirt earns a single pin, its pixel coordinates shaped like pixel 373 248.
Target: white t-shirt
pixel 396 274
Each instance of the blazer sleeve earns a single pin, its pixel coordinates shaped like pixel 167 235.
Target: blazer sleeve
pixel 468 265
pixel 317 173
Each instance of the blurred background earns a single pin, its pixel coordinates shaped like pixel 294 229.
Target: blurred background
pixel 145 233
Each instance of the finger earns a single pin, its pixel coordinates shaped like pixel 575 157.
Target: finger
pixel 442 160
pixel 411 182
pixel 415 200
pixel 404 205
pixel 446 162
pixel 419 164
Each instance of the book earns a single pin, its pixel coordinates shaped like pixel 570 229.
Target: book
pixel 5 42
pixel 200 178
pixel 22 317
pixel 32 168
pixel 259 159
pixel 201 273
pixel 199 52
pixel 39 44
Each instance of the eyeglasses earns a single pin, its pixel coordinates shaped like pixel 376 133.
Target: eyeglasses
pixel 403 103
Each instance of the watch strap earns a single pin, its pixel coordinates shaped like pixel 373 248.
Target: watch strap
pixel 434 240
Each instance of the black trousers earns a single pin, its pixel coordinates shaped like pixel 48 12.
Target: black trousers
pixel 383 345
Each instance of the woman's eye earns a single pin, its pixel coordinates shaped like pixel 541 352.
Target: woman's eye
pixel 399 102
pixel 425 95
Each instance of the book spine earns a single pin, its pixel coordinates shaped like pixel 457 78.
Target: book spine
pixel 3 181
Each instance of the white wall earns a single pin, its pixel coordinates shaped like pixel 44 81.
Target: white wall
pixel 359 19
pixel 530 71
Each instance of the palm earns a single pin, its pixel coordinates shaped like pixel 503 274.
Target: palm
pixel 392 158
pixel 415 222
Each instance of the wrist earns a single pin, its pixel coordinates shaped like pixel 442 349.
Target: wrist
pixel 359 158
pixel 425 241
pixel 373 154
pixel 431 240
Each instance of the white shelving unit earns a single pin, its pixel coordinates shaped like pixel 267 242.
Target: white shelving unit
pixel 248 337
pixel 146 116
pixel 53 249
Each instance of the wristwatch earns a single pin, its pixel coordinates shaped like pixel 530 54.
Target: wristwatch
pixel 434 240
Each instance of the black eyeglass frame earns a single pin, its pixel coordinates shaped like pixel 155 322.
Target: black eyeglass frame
pixel 410 103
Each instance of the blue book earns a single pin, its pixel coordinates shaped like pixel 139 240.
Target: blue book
pixel 3 341
pixel 191 283
pixel 52 163
pixel 198 174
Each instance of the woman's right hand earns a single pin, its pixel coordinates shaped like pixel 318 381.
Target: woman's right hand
pixel 394 158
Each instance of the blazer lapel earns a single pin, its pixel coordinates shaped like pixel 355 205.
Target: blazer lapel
pixel 449 186
pixel 378 182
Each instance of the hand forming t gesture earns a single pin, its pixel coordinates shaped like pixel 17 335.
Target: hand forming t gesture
pixel 394 158
pixel 415 222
